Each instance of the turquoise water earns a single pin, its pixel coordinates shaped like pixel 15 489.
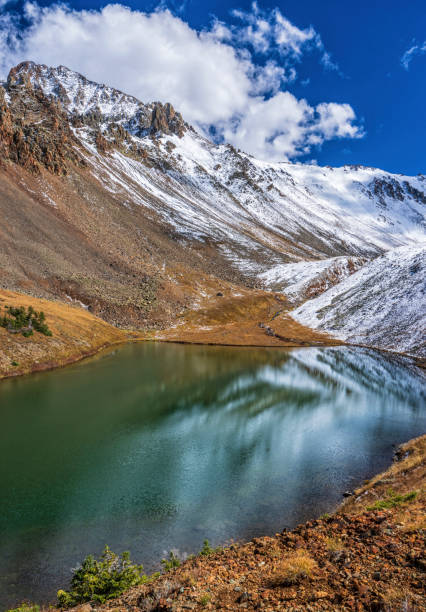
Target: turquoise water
pixel 155 447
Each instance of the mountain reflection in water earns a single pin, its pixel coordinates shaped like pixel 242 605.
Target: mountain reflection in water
pixel 159 446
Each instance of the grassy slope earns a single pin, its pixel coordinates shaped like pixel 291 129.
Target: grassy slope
pixel 76 334
pixel 233 319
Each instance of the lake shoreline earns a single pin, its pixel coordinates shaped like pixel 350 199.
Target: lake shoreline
pixel 78 334
pixel 367 554
pixel 36 368
pixel 6 373
pixel 337 448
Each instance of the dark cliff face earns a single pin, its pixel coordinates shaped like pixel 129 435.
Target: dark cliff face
pixel 36 129
pixel 391 188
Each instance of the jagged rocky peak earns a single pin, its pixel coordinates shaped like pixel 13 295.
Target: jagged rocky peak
pixel 94 104
pixel 34 127
pixel 166 119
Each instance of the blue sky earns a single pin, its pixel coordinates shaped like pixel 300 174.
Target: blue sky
pixel 365 95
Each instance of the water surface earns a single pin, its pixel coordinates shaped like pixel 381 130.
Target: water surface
pixel 155 447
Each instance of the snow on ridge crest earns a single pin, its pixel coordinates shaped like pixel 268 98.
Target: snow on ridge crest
pixel 77 93
pixel 80 97
pixel 265 209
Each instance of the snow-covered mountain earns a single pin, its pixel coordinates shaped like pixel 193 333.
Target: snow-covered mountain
pixel 382 305
pixel 143 187
pixel 146 154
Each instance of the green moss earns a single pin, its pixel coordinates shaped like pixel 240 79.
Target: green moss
pixel 205 599
pixel 393 500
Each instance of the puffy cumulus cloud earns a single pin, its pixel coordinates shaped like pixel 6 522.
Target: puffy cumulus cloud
pixel 411 53
pixel 215 82
pixel 284 126
pixel 336 121
pixel 273 128
pixel 154 56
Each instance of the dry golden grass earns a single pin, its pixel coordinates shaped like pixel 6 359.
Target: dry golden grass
pixel 334 544
pixel 76 334
pixel 293 569
pixel 233 319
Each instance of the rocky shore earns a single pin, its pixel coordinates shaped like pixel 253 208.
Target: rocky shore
pixel 368 555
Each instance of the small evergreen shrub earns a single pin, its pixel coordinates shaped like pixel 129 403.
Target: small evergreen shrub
pixel 99 580
pixel 207 549
pixel 171 562
pixel 24 320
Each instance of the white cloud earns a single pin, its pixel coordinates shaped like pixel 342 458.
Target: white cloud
pixel 336 121
pixel 411 53
pixel 327 62
pixel 205 75
pixel 286 126
pixel 272 30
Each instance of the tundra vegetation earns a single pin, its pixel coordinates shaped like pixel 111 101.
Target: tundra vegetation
pixel 24 321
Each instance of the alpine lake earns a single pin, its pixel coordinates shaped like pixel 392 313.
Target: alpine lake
pixel 155 447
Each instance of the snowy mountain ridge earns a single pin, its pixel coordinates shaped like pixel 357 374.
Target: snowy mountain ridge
pixel 290 227
pixel 207 191
pixel 80 97
pixel 383 304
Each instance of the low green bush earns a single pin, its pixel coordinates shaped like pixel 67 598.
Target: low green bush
pixel 99 580
pixel 207 549
pixel 24 320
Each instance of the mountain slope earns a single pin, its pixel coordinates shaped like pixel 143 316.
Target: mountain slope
pixel 122 206
pixel 383 304
pixel 147 154
pixel 306 279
